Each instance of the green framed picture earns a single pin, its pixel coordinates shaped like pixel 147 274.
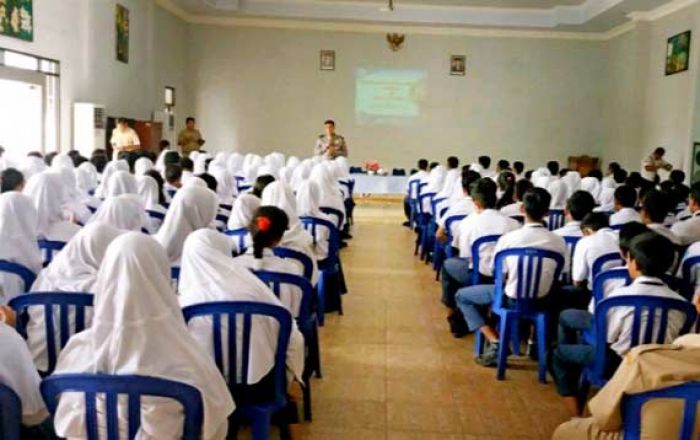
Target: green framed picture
pixel 678 53
pixel 122 21
pixel 17 19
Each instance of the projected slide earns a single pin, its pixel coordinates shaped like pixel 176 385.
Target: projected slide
pixel 388 95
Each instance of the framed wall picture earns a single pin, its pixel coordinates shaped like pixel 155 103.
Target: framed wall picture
pixel 122 20
pixel 678 53
pixel 327 60
pixel 458 65
pixel 17 19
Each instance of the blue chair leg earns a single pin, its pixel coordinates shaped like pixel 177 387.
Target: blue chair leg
pixel 260 425
pixel 515 336
pixel 542 346
pixel 321 300
pixel 505 332
pixel 479 342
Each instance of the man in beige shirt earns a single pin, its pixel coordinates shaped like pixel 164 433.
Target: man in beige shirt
pixel 330 144
pixel 190 139
pixel 124 139
pixel 645 368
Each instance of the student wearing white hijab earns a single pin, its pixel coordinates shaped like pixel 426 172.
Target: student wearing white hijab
pixel 18 226
pixel 300 174
pixel 122 212
pixel 18 373
pixel 46 192
pixel 309 205
pixel 120 182
pixel 73 200
pixel 86 178
pixel 74 269
pixel 200 163
pixel 572 180
pixel 147 188
pixel 32 165
pixel 241 215
pixel 330 194
pixel 226 188
pixel 142 166
pixel 192 208
pixel 436 180
pixel 138 328
pixel 234 164
pixel 110 168
pixel 592 185
pixel 296 237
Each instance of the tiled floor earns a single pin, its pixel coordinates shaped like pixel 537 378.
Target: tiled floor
pixel 393 371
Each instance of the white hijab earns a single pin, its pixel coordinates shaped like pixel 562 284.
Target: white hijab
pixel 122 212
pixel 200 163
pixel 541 177
pixel 138 329
pixel 32 165
pixel 300 174
pixel 86 178
pixel 243 211
pixel 147 189
pixel 572 180
pixel 591 185
pixel 225 183
pixel 142 166
pixel 46 192
pixel 192 208
pixel 120 182
pixel 110 168
pixel 234 164
pixel 331 196
pixel 309 200
pixel 160 162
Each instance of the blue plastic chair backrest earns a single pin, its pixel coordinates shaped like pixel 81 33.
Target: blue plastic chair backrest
pixel 607 261
pixel 239 318
pixel 616 227
pixel 239 235
pixel 687 270
pixel 349 185
pixel 300 257
pixel 413 189
pixel 157 215
pixel 556 219
pixel 599 282
pixel 10 414
pixel 421 200
pixel 530 265
pixel 571 242
pixel 171 192
pixel 434 205
pixel 448 224
pixel 477 247
pixel 633 403
pixel 225 206
pixel 49 248
pixel 336 213
pixel 312 225
pixel 111 387
pixel 275 281
pixel 175 276
pixel 52 303
pixel 21 271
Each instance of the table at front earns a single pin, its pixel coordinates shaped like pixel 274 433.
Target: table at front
pixel 366 184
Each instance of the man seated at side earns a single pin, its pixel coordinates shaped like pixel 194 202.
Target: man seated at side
pixel 688 231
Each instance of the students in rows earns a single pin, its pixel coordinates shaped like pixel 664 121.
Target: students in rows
pixel 579 205
pixel 655 209
pixel 533 234
pixel 514 210
pixel 688 231
pixel 463 205
pixel 624 206
pixel 308 199
pixel 122 212
pixel 650 256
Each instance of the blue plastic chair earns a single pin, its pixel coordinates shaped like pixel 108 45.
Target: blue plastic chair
pixel 259 415
pixel 49 248
pixel 416 187
pixel 156 215
pixel 556 219
pixel 21 271
pixel 171 192
pixel 330 269
pixel 633 403
pixel 110 387
pixel 476 259
pixel 423 224
pixel 175 277
pixel 600 280
pixel 644 307
pixel 61 303
pixel 10 414
pixel 335 213
pixel 306 321
pixel 607 261
pixel 441 251
pixel 518 218
pixel 298 257
pixel 226 206
pixel 240 236
pixel 617 227
pixel 529 274
pixel 687 275
pixel 571 242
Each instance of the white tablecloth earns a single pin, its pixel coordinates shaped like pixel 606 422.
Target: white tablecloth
pixel 365 184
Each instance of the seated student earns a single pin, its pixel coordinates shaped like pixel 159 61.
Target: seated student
pixel 609 178
pixel 518 168
pixel 646 368
pixel 694 275
pixel 579 205
pixel 74 269
pixel 187 166
pixel 192 208
pixel 47 194
pixel 501 166
pixel 419 176
pixel 162 196
pixel 515 209
pixel 533 234
pixel 624 204
pixel 607 193
pixel 209 274
pixel 267 228
pixel 482 166
pixel 120 182
pixel 458 206
pixel 330 194
pixel 688 231
pixel 457 272
pixel 556 187
pixel 151 196
pixel 506 189
pixel 680 190
pixel 124 212
pixel 591 183
pixel 655 209
pixel 11 180
pixel 650 256
pixel 137 328
pixel 17 372
pixel 309 205
pixel 261 183
pixel 173 179
pixel 453 178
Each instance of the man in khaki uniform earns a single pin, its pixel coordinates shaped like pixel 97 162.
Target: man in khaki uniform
pixel 190 139
pixel 330 144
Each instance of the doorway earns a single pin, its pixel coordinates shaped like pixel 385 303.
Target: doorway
pixel 21 118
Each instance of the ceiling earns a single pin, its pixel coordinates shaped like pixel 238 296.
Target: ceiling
pixel 588 16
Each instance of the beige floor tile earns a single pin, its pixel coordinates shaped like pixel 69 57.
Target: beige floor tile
pixel 421 435
pixel 420 416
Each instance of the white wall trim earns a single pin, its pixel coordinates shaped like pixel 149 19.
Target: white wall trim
pixel 662 11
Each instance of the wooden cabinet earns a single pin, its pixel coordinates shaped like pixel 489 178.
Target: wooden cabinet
pixel 150 133
pixel 583 164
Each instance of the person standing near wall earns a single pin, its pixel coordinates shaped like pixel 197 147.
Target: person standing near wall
pixel 330 144
pixel 190 139
pixel 653 163
pixel 124 139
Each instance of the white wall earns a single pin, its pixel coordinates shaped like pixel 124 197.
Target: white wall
pixel 532 99
pixel 81 35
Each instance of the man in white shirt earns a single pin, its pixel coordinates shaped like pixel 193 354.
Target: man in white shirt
pixel 460 206
pixel 124 139
pixel 653 163
pixel 452 179
pixel 457 272
pixel 654 212
pixel 556 187
pixel 411 187
pixel 579 205
pixel 649 258
pixel 609 179
pixel 625 201
pixel 688 231
pixel 533 234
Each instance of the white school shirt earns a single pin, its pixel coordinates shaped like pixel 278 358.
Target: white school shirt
pixel 607 199
pixel 692 251
pixel 18 373
pixel 512 209
pixel 570 229
pixel 558 190
pixel 665 232
pixel 620 319
pixel 624 216
pixel 688 231
pixel 481 224
pixel 603 241
pixel 531 235
pixel 462 206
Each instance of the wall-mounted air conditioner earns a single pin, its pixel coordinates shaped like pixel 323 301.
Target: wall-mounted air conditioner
pixel 89 127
